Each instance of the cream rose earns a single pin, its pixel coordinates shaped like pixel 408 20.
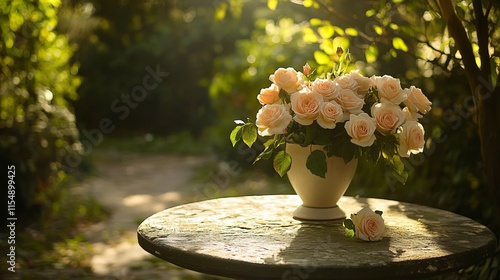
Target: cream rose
pixel 410 115
pixel 330 114
pixel 364 83
pixel 369 226
pixel 387 116
pixel 346 82
pixel 361 128
pixel 306 106
pixel 416 100
pixel 326 87
pixel 287 79
pixel 269 95
pixel 273 119
pixel 350 101
pixel 411 138
pixel 389 89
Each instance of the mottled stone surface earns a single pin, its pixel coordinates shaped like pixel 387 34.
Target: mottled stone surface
pixel 255 237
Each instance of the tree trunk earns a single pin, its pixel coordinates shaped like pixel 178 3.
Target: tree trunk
pixel 486 97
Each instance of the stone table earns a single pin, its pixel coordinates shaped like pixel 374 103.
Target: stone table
pixel 255 237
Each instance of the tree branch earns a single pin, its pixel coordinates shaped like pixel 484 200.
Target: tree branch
pixel 457 31
pixel 482 38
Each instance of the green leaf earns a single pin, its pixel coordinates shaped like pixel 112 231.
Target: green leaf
pixel 349 224
pixel 307 3
pixel 399 166
pixel 271 4
pixel 400 177
pixel 268 151
pixel 371 53
pixel 316 163
pixel 249 134
pixel 235 135
pixel 399 44
pixel 220 11
pixel 378 212
pixel 349 233
pixel 351 31
pixel 378 29
pixel 282 163
pixel 321 58
pixel 326 31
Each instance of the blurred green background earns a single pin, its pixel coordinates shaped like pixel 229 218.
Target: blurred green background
pixel 79 75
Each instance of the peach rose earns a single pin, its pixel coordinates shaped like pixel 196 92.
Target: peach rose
pixel 350 101
pixel 329 115
pixel 364 83
pixel 326 87
pixel 411 138
pixel 269 95
pixel 388 117
pixel 306 69
pixel 389 89
pixel 346 82
pixel 416 100
pixel 410 115
pixel 369 226
pixel 287 79
pixel 361 128
pixel 273 119
pixel 306 106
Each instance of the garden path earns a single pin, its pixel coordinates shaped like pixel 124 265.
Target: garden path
pixel 132 187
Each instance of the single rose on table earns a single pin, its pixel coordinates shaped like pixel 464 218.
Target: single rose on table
pixel 366 224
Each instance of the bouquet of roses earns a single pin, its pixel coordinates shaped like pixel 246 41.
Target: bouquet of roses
pixel 348 114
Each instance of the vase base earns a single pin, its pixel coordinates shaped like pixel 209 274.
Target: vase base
pixel 318 213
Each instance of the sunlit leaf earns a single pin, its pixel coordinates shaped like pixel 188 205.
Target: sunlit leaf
pixel 321 58
pixel 339 30
pixel 315 21
pixel 370 13
pixel 235 135
pixel 271 4
pixel 378 29
pixel 371 53
pixel 342 42
pixel 249 134
pixel 307 3
pixel 282 163
pixel 351 31
pixel 399 44
pixel 220 11
pixel 309 36
pixel 326 31
pixel 327 47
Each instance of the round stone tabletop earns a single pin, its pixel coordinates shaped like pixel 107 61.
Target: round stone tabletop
pixel 255 237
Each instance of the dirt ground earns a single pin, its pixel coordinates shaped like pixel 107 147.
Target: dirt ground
pixel 133 187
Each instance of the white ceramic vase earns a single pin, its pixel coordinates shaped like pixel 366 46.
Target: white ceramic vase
pixel 319 195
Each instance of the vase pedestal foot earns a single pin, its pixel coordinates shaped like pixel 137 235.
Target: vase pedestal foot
pixel 318 213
